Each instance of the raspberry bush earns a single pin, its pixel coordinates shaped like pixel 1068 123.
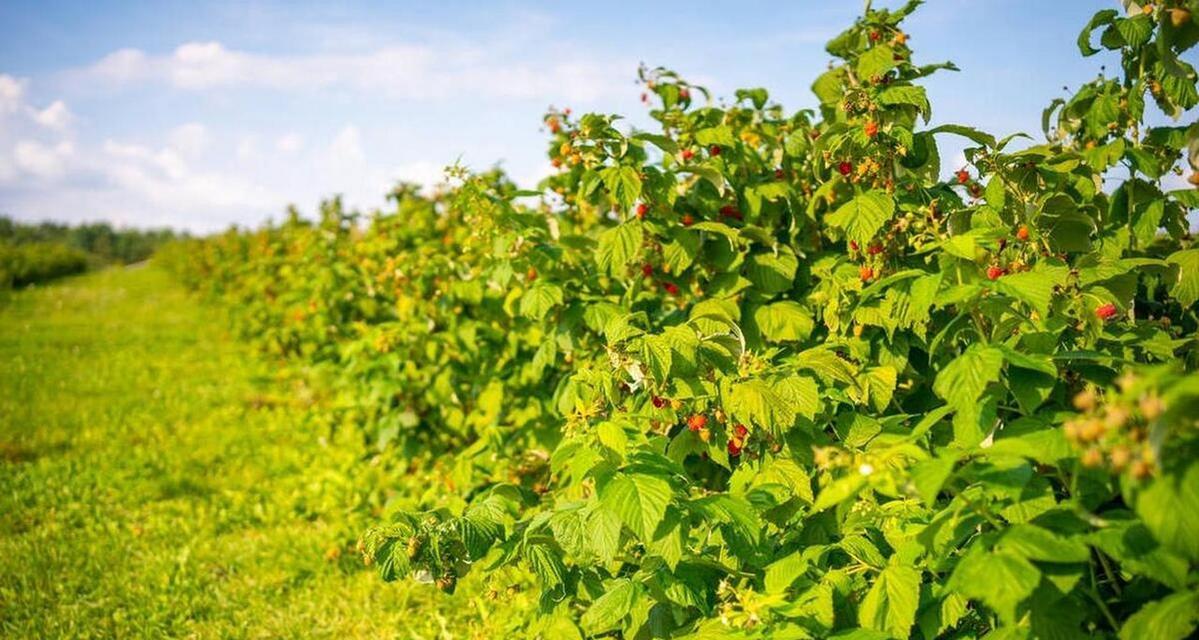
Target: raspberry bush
pixel 765 374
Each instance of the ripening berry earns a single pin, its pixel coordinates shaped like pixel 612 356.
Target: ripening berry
pixel 853 245
pixel 730 211
pixel 642 209
pixel 684 93
pixel 962 175
pixel 697 421
pixel 1119 457
pixel 740 431
pixel 688 219
pixel 658 401
pixel 874 249
pixel 671 288
pixel 1106 311
pixel 845 168
pixel 647 270
pixel 994 272
pixel 1141 469
pixel 1092 458
pixel 714 150
pixel 734 447
pixel 875 35
pixel 1179 17
pixel 1022 234
pixel 870 128
pixel 779 174
pixel 688 154
pixel 866 273
pixel 532 274
pixel 1085 399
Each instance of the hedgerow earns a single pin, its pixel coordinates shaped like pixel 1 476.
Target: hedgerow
pixel 765 374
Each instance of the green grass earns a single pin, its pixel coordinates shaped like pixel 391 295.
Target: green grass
pixel 158 480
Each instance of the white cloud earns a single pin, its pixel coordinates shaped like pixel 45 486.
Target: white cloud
pixel 42 160
pixel 405 70
pixel 290 142
pixel 189 139
pixel 56 116
pixel 12 93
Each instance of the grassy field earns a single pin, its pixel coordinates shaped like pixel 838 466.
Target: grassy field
pixel 157 480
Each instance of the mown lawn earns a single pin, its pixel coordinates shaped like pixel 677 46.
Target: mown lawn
pixel 159 480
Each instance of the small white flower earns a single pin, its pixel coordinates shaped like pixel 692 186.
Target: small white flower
pixel 866 469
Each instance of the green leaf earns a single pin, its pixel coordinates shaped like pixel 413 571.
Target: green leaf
pixel 1002 580
pixel 1169 507
pixel 539 299
pixel 875 62
pixel 618 247
pixel 1099 19
pixel 639 500
pixel 720 135
pixel 962 382
pixel 891 603
pixel 863 216
pixel 969 133
pixel 1035 543
pixel 657 355
pixel 781 574
pixel 839 491
pixel 1035 287
pixel 1186 288
pixel 624 183
pixel 907 95
pixel 772 272
pixel 784 321
pixel 1171 618
pixel 609 609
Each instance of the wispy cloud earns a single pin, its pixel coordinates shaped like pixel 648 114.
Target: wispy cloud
pixel 416 71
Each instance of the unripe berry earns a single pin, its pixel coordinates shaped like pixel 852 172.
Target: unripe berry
pixel 866 273
pixel 532 274
pixel 697 422
pixel 870 128
pixel 688 219
pixel 1022 234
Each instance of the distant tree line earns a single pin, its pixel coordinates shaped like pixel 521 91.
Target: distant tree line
pixel 37 252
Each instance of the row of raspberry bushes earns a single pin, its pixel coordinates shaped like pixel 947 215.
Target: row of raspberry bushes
pixel 763 374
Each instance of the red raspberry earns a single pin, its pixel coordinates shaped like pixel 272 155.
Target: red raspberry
pixel 671 288
pixel 994 272
pixel 658 401
pixel 874 249
pixel 734 447
pixel 963 176
pixel 687 154
pixel 1022 234
pixel 688 219
pixel 866 274
pixel 714 150
pixel 647 270
pixel 730 211
pixel 740 431
pixel 1106 311
pixel 845 168
pixel 642 209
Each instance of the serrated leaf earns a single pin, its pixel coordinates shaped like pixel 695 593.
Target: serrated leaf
pixel 618 247
pixel 624 183
pixel 639 500
pixel 610 608
pixel 891 603
pixel 1171 618
pixel 863 216
pixel 1186 288
pixel 1002 580
pixel 784 321
pixel 539 299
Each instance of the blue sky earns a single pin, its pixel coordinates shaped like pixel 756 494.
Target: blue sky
pixel 202 114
